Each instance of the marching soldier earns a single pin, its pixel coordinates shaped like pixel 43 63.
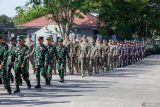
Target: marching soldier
pixel 84 54
pixel 3 51
pixel 50 59
pixel 100 49
pixel 93 58
pixel 20 64
pixel 74 55
pixel 10 63
pixel 61 54
pixel 41 61
pixel 105 52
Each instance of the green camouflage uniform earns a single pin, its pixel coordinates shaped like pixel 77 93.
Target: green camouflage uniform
pixel 50 61
pixel 3 62
pixel 21 58
pixel 10 64
pixel 41 60
pixel 61 54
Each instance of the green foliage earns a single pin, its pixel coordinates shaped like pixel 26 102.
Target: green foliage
pixel 25 15
pixel 129 17
pixel 5 20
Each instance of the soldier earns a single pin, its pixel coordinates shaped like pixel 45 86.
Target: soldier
pixel 50 59
pixel 61 54
pixel 93 58
pixel 21 56
pixel 3 51
pixel 110 54
pixel 120 53
pixel 115 53
pixel 30 45
pixel 105 52
pixel 41 61
pixel 84 54
pixel 99 56
pixel 67 43
pixel 74 55
pixel 10 62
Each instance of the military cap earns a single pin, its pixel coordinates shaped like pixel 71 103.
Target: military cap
pixel 49 38
pixel 60 40
pixel 20 37
pixel 40 38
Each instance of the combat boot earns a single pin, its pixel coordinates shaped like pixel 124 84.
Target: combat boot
pixel 38 85
pixel 28 84
pixel 9 90
pixel 17 89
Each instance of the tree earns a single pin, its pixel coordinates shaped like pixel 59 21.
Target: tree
pixel 5 20
pixel 28 13
pixel 63 12
pixel 127 17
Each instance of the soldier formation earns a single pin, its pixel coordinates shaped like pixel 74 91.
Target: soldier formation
pixel 65 56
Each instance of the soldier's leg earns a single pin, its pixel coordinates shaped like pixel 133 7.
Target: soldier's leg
pixel 61 66
pixel 8 79
pixel 54 68
pixel 38 77
pixel 17 79
pixel 4 77
pixel 43 72
pixel 49 73
pixel 25 76
pixel 82 61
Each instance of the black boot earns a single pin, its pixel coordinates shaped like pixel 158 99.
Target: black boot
pixel 28 84
pixel 0 80
pixel 9 90
pixel 38 85
pixel 46 81
pixel 17 89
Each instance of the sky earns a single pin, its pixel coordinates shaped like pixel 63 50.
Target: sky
pixel 7 7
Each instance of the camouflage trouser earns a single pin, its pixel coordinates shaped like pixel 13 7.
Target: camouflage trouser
pixel 3 76
pixel 74 64
pixel 19 73
pixel 61 68
pixel 99 64
pixel 105 62
pixel 8 75
pixel 49 71
pixel 68 65
pixel 110 61
pixel 84 65
pixel 93 66
pixel 114 62
pixel 40 71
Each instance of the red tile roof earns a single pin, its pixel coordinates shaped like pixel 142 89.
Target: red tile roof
pixel 88 21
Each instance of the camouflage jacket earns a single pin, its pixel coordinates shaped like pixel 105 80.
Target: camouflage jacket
pixel 61 52
pixel 41 54
pixel 21 55
pixel 51 54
